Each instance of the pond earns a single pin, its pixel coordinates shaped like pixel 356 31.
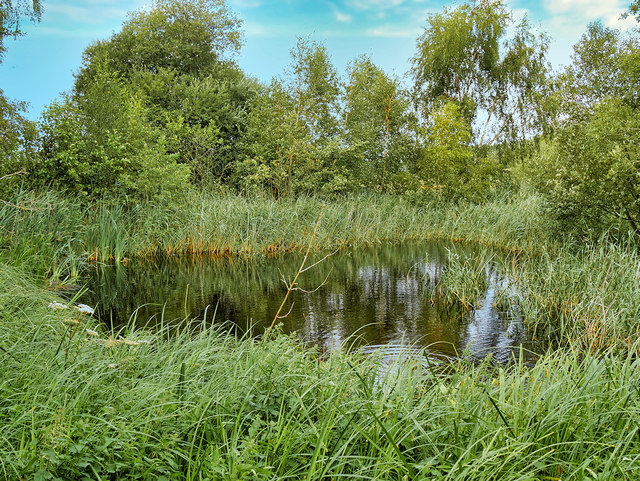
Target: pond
pixel 389 296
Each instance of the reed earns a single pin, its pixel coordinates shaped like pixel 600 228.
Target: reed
pixel 586 295
pixel 63 230
pixel 466 276
pixel 588 292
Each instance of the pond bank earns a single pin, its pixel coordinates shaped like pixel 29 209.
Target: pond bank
pixel 587 292
pixel 66 231
pixel 80 401
pixel 141 405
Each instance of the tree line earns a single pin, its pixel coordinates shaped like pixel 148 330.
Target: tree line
pixel 162 106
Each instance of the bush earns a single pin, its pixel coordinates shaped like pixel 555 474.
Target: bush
pixel 99 144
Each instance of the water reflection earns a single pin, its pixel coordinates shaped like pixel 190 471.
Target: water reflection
pixel 383 296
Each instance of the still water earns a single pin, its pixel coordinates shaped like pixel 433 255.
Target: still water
pixel 383 296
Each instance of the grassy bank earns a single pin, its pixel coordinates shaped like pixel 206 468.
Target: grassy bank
pixel 79 404
pixel 62 232
pixel 587 292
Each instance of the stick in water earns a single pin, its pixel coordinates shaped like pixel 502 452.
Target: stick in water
pixel 290 287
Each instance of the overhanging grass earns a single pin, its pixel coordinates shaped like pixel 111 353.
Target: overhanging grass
pixel 588 294
pixel 197 404
pixel 50 229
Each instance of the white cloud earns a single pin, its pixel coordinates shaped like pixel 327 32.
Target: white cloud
pixel 343 17
pixel 246 3
pixel 86 14
pixel 386 32
pixel 581 12
pixel 255 30
pixel 374 4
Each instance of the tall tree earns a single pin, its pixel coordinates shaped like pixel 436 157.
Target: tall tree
pixel 466 55
pixel 100 144
pixel 11 14
pixel 294 130
pixel 588 170
pixel 315 87
pixel 185 36
pixel 605 65
pixel 377 122
pixel 177 56
pixel 277 141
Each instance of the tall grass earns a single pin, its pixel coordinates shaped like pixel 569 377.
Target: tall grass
pixel 591 293
pixel 82 402
pixel 586 292
pixel 197 404
pixel 60 229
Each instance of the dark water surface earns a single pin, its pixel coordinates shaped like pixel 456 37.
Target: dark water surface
pixel 383 296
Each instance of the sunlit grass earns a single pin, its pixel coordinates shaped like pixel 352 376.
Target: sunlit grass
pixel 60 231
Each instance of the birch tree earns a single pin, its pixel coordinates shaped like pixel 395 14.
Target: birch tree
pixel 493 67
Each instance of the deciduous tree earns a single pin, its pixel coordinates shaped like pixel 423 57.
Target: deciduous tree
pixel 99 144
pixel 605 65
pixel 379 145
pixel 17 133
pixel 589 169
pixel 294 129
pixel 186 36
pixel 177 56
pixel 468 55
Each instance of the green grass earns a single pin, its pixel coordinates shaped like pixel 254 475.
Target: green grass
pixel 49 229
pixel 587 295
pixel 587 292
pixel 195 404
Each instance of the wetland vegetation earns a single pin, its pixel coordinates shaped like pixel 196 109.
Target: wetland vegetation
pixel 167 165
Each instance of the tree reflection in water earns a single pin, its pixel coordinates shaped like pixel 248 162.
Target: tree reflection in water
pixel 383 296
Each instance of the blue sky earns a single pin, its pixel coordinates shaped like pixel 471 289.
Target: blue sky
pixel 40 65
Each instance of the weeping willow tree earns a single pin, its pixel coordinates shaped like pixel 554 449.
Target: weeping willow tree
pixel 480 58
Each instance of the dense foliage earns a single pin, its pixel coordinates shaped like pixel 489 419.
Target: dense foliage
pixel 588 164
pixel 162 105
pixel 165 146
pixel 464 56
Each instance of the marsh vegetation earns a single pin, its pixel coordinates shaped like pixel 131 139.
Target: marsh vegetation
pixel 166 162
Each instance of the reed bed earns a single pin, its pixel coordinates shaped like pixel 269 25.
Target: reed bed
pixel 61 233
pixel 588 293
pixel 81 402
